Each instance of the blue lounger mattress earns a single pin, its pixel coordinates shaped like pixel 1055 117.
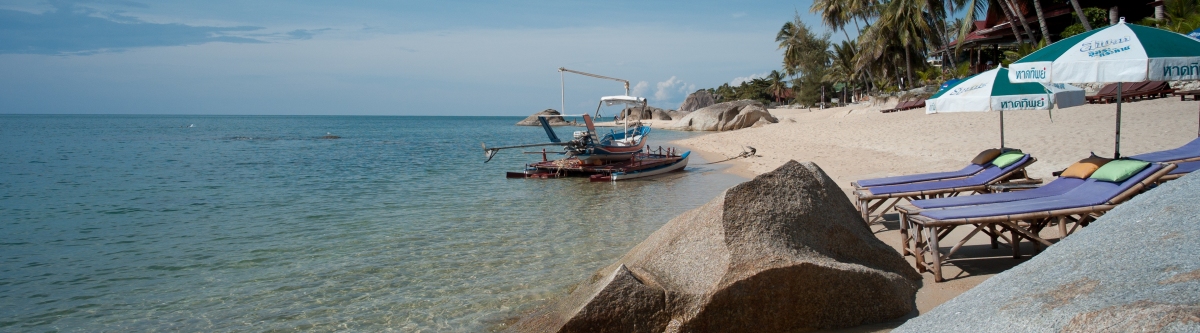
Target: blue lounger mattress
pixel 1185 168
pixel 970 169
pixel 982 178
pixel 1056 187
pixel 1091 193
pixel 1189 150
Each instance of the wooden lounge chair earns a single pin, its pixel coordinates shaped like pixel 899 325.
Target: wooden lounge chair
pixel 1106 92
pixel 1188 152
pixel 898 107
pixel 1021 219
pixel 1184 94
pixel 873 202
pixel 1149 90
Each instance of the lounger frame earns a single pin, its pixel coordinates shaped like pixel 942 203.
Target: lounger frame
pixel 923 245
pixel 873 206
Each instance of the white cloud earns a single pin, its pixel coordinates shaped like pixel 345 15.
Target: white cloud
pixel 737 81
pixel 639 89
pixel 667 93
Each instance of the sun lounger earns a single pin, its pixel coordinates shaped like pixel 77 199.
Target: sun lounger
pixel 1184 94
pixel 906 105
pixel 880 199
pixel 1188 152
pixel 1022 218
pixel 1181 169
pixel 1102 96
pixel 1131 91
pixel 968 170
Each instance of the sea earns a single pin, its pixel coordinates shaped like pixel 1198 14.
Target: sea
pixel 266 223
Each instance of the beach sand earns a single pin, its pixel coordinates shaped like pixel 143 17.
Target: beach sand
pixel 859 142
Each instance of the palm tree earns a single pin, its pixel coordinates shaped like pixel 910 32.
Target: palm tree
pixel 1037 6
pixel 833 14
pixel 842 69
pixel 789 40
pixel 1082 18
pixel 778 87
pixel 907 21
pixel 975 7
pixel 1016 11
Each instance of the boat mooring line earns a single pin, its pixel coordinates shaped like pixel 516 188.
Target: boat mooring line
pixel 744 154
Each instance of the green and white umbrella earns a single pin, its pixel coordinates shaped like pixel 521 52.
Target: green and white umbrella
pixel 1117 53
pixel 993 91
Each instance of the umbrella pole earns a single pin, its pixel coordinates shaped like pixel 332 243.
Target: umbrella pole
pixel 1001 131
pixel 1117 149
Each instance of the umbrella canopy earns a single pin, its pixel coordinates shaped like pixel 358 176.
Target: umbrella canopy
pixel 992 91
pixel 1117 53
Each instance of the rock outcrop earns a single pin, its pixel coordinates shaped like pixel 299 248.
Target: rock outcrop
pixel 555 119
pixel 783 252
pixel 650 113
pixel 697 100
pixel 726 116
pixel 1135 269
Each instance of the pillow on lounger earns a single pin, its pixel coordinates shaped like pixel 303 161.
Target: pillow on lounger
pixel 1119 170
pixel 1085 167
pixel 1008 158
pixel 985 156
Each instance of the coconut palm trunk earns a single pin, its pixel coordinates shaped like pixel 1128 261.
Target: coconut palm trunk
pixel 1037 6
pixel 1082 19
pixel 1021 18
pixel 1011 22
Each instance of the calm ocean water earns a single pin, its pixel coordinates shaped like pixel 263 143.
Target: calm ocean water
pixel 243 223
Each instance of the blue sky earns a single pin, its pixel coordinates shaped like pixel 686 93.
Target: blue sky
pixel 273 57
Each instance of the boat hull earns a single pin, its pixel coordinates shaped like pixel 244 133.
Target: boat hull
pixel 650 172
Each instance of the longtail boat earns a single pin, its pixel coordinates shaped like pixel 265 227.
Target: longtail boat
pixel 617 155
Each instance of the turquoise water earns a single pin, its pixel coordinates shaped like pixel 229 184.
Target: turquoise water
pixel 242 223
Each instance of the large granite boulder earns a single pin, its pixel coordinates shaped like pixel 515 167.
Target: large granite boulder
pixel 555 119
pixel 1135 269
pixel 783 252
pixel 649 113
pixel 697 100
pixel 726 116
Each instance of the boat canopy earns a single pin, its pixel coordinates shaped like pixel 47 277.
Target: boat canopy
pixel 611 100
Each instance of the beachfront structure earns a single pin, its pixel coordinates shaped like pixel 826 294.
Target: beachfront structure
pixel 983 48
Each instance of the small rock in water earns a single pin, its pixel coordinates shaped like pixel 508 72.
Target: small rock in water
pixel 329 135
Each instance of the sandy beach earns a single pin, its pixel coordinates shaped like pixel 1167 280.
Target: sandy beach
pixel 859 142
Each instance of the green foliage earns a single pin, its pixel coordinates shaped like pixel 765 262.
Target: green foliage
pixel 1097 17
pixel 804 50
pixel 1023 50
pixel 963 70
pixel 1183 16
pixel 930 75
pixel 756 89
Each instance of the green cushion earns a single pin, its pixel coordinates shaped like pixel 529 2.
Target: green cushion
pixel 1008 158
pixel 1119 170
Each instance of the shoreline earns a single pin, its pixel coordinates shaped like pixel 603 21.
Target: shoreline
pixel 859 142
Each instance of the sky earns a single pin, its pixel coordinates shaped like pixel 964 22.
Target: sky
pixel 374 57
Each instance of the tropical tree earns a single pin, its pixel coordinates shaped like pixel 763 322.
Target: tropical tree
pixel 777 86
pixel 1037 6
pixel 1079 12
pixel 805 53
pixel 908 22
pixel 1183 16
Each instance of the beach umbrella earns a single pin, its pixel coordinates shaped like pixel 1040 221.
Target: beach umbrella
pixel 992 91
pixel 1117 53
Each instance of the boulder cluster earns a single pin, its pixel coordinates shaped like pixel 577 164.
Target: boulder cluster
pixel 554 117
pixel 726 116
